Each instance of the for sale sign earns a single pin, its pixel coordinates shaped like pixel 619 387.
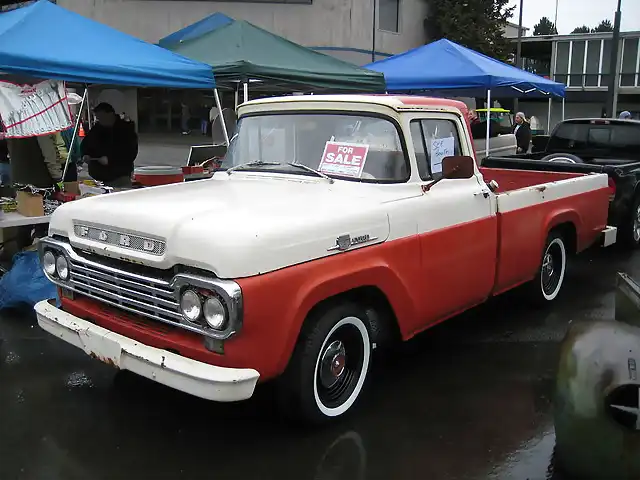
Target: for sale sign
pixel 345 159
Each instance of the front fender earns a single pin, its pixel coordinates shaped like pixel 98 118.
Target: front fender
pixel 277 303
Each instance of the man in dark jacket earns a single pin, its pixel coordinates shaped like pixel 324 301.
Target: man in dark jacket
pixel 522 131
pixel 110 148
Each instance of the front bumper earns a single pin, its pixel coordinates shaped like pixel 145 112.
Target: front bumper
pixel 190 376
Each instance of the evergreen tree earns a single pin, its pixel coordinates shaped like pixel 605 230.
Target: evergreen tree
pixel 544 27
pixel 582 29
pixel 604 26
pixel 475 24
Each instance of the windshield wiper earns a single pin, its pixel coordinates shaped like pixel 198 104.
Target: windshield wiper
pixel 260 163
pixel 257 163
pixel 312 170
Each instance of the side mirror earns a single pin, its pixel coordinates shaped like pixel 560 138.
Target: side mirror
pixel 457 167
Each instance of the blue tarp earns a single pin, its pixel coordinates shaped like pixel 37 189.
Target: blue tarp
pixel 195 30
pixel 46 41
pixel 446 67
pixel 25 284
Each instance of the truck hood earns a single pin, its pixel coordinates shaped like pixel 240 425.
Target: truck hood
pixel 233 225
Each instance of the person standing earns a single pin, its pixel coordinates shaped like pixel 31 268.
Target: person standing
pixel 110 148
pixel 522 131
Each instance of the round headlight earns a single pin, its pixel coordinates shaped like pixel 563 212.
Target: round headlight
pixel 49 263
pixel 191 306
pixel 62 267
pixel 214 313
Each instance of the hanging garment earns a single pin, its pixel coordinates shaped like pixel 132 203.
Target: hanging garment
pixel 32 110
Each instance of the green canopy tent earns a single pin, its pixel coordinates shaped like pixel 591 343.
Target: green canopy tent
pixel 240 52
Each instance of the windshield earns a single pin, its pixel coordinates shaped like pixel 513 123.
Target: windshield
pixel 501 118
pixel 616 139
pixel 352 147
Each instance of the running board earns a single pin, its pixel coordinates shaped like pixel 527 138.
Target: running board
pixel 609 236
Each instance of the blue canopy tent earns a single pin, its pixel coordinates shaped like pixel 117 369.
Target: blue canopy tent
pixel 195 30
pixel 447 68
pixel 46 41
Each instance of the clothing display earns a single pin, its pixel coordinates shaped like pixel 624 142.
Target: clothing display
pixel 38 109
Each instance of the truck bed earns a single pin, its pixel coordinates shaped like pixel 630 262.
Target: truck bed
pixel 509 180
pixel 530 203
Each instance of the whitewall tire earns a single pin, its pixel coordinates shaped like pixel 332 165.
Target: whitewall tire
pixel 330 364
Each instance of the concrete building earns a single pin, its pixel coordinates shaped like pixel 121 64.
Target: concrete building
pixel 582 62
pixel 343 28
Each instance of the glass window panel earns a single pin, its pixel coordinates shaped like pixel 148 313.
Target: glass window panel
pixel 562 58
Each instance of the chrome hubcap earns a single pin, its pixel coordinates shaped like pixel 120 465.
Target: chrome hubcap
pixel 547 265
pixel 636 225
pixel 332 364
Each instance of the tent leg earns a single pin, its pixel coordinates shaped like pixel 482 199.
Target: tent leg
pixel 245 91
pixel 549 117
pixel 563 109
pixel 86 91
pixel 486 147
pixel 85 97
pixel 222 122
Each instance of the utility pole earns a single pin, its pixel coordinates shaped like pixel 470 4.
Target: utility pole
pixel 518 57
pixel 613 68
pixel 373 33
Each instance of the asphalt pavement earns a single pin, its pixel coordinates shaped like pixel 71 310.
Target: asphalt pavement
pixel 469 399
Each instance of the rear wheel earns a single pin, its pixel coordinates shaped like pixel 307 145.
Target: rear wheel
pixel 548 282
pixel 329 367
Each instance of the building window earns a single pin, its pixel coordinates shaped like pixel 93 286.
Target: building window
pixel 389 15
pixel 629 62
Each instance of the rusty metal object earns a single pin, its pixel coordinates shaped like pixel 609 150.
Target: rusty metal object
pixel 597 411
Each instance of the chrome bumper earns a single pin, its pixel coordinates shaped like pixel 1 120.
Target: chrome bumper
pixel 190 376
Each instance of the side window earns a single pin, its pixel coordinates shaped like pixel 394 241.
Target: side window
pixel 433 140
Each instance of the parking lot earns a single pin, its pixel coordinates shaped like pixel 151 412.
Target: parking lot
pixel 470 399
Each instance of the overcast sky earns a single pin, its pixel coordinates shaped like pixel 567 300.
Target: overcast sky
pixel 575 13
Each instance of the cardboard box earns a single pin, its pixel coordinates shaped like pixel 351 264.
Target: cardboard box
pixel 30 205
pixel 72 188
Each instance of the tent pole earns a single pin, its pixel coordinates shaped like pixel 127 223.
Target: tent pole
pixel 222 122
pixel 236 96
pixel 245 91
pixel 85 97
pixel 86 91
pixel 549 117
pixel 563 109
pixel 486 147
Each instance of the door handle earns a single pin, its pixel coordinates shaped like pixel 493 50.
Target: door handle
pixel 484 193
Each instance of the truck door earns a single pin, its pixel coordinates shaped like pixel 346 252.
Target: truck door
pixel 456 221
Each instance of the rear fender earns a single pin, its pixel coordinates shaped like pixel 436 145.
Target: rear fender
pixel 559 217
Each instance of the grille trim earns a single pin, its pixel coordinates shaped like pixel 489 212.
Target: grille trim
pixel 129 241
pixel 144 295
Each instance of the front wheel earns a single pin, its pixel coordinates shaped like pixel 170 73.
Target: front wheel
pixel 330 364
pixel 548 282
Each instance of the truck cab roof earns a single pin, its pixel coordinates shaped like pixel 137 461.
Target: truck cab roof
pixel 398 103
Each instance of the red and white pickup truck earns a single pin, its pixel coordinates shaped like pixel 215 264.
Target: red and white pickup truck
pixel 339 223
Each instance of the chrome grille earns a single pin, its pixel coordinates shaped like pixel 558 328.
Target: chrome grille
pixel 138 294
pixel 121 239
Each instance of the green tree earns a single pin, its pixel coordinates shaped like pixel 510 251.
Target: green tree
pixel 475 24
pixel 604 26
pixel 582 29
pixel 545 27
